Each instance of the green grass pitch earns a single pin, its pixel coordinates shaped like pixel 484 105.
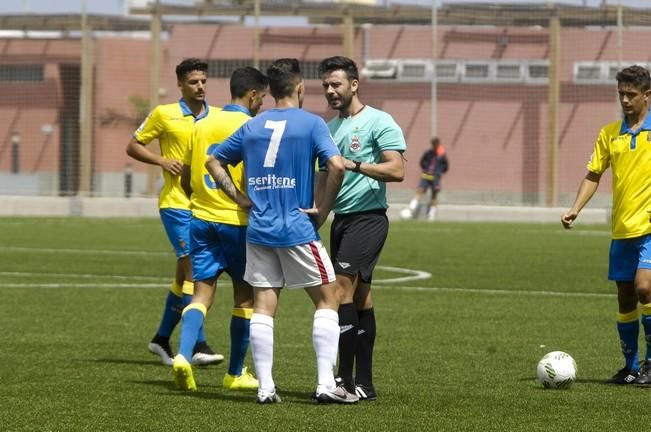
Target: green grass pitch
pixel 80 299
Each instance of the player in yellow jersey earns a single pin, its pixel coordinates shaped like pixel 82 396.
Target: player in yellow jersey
pixel 218 233
pixel 625 146
pixel 172 125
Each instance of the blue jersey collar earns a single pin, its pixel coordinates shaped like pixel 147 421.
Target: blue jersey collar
pixel 236 108
pixel 645 126
pixel 187 111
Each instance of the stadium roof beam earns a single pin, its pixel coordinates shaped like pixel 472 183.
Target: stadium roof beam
pixel 71 23
pixel 534 14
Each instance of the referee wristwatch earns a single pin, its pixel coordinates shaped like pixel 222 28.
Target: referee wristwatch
pixel 358 164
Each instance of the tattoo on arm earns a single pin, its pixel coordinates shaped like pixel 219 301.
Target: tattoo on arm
pixel 226 182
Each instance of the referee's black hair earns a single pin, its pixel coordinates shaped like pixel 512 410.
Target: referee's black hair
pixel 189 65
pixel 635 75
pixel 331 64
pixel 247 78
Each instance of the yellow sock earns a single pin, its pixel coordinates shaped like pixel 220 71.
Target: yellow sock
pixel 176 289
pixel 188 287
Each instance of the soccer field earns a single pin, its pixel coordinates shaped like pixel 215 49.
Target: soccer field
pixel 456 351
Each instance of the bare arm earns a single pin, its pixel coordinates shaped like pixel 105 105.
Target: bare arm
pixel 587 188
pixel 140 152
pixel 332 185
pixel 186 176
pixel 319 185
pixel 327 186
pixel 219 172
pixel 391 169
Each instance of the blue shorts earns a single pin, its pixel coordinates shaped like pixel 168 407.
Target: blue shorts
pixel 177 227
pixel 434 185
pixel 217 247
pixel 628 255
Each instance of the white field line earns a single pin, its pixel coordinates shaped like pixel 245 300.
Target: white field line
pixel 83 251
pixel 80 285
pixel 498 291
pixel 381 286
pixel 413 275
pixel 378 283
pixel 83 276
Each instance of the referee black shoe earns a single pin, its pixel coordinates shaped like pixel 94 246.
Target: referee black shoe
pixel 365 393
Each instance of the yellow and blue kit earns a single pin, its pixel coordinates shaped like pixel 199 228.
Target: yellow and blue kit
pixel 208 201
pixel 173 125
pixel 628 153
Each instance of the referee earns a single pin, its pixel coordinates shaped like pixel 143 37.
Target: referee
pixel 372 145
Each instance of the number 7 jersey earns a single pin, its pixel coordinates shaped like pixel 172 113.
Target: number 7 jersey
pixel 279 148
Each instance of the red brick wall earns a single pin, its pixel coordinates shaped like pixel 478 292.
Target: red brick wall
pixel 495 135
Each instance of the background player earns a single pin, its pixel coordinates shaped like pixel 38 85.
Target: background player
pixel 172 125
pixel 625 146
pixel 372 144
pixel 280 148
pixel 433 164
pixel 218 233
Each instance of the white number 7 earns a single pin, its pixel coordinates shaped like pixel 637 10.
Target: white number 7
pixel 278 128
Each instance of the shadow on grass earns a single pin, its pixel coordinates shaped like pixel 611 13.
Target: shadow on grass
pixel 601 381
pixel 206 391
pixel 214 392
pixel 129 361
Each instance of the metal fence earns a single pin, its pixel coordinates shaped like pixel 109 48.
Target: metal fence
pixel 517 94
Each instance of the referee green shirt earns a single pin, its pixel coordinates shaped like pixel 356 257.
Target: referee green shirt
pixel 363 137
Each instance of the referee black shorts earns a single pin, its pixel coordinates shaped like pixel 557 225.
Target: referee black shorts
pixel 356 240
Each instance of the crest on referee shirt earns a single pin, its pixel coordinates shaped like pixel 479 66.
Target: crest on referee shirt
pixel 648 137
pixel 355 145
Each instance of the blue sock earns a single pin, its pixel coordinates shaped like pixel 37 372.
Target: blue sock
pixel 240 337
pixel 193 317
pixel 628 334
pixel 187 299
pixel 171 314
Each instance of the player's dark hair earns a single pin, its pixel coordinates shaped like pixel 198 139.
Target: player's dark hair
pixel 283 75
pixel 435 141
pixel 635 75
pixel 189 65
pixel 331 64
pixel 247 78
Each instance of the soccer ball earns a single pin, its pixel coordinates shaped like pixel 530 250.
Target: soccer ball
pixel 405 213
pixel 557 370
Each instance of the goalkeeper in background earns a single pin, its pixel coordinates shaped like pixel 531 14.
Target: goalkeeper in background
pixel 433 164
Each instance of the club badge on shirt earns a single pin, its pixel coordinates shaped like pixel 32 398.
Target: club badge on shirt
pixel 355 145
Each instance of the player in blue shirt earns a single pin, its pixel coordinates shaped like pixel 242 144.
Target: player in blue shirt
pixel 279 149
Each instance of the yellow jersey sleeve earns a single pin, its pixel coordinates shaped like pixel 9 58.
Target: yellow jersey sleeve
pixel 600 159
pixel 151 128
